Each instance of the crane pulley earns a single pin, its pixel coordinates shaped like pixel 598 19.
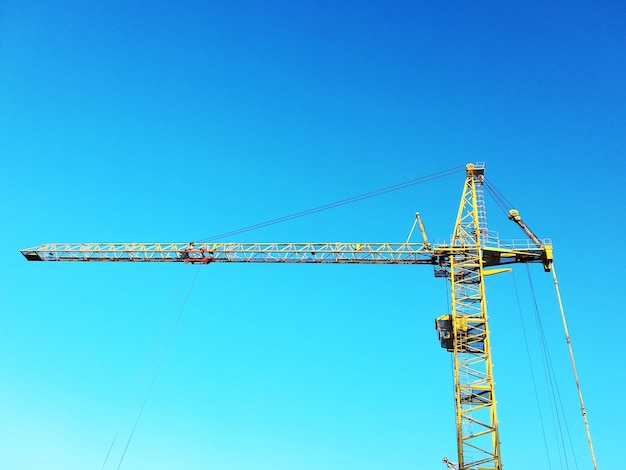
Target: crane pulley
pixel 449 464
pixel 463 261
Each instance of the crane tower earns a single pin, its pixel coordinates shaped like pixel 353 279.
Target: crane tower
pixel 470 256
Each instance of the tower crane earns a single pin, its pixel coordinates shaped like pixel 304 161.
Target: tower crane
pixel 470 255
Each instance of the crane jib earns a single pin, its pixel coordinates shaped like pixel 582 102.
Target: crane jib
pixel 322 253
pixel 367 253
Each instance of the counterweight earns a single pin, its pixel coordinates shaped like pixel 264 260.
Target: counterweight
pixel 463 262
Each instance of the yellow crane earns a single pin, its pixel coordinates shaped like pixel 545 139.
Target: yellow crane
pixel 470 255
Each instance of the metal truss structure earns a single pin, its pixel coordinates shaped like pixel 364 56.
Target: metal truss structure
pixel 368 253
pixel 464 331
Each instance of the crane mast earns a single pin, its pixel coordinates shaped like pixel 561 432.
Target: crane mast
pixel 465 332
pixel 464 261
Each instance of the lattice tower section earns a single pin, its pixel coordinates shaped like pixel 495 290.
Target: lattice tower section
pixel 476 421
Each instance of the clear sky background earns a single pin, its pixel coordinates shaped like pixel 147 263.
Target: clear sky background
pixel 175 121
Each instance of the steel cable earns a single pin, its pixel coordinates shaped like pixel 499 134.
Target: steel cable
pixel 158 369
pixel 551 380
pixel 143 371
pixel 502 202
pixel 333 205
pixel 532 371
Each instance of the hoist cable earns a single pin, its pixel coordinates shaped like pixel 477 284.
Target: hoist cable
pixel 143 370
pixel 336 204
pixel 550 378
pixel 556 390
pixel 532 371
pixel 571 353
pixel 158 369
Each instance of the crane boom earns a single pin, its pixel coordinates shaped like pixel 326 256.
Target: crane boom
pixel 334 253
pixel 322 253
pixel 464 331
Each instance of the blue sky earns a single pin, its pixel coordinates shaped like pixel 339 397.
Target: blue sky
pixel 151 121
